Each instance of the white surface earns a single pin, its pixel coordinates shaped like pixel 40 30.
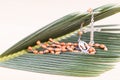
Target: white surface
pixel 19 18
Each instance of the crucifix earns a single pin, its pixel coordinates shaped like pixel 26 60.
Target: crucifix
pixel 92 29
pixel 83 46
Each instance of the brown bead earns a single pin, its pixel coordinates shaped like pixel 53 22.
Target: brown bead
pixel 52 52
pixel 57 42
pixel 30 48
pixel 40 52
pixel 75 44
pixel 50 49
pixel 46 51
pixel 96 45
pixel 80 33
pixel 92 50
pixel 53 45
pixel 89 10
pixel 35 51
pixel 62 44
pixel 69 44
pixel 57 49
pixel 102 46
pixel 106 49
pixel 63 50
pixel 70 49
pixel 67 47
pixel 57 53
pixel 63 47
pixel 43 46
pixel 58 46
pixel 38 42
pixel 51 40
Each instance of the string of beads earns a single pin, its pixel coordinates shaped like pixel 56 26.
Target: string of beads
pixel 55 47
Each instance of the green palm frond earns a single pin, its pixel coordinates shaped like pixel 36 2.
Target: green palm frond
pixel 69 63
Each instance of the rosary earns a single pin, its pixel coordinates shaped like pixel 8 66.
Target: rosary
pixel 55 47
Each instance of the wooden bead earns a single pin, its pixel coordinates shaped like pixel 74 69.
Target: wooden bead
pixel 69 44
pixel 80 33
pixel 62 44
pixel 57 42
pixel 40 52
pixel 96 45
pixel 51 40
pixel 52 52
pixel 63 47
pixel 67 47
pixel 50 49
pixel 44 46
pixel 35 51
pixel 89 10
pixel 102 46
pixel 106 49
pixel 53 45
pixel 58 46
pixel 38 42
pixel 92 50
pixel 63 50
pixel 57 53
pixel 30 48
pixel 70 49
pixel 75 44
pixel 46 51
pixel 57 49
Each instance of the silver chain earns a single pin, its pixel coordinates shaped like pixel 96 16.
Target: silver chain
pixel 92 28
pixel 79 39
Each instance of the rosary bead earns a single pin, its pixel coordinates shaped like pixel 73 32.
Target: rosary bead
pixel 30 48
pixel 57 49
pixel 69 44
pixel 44 46
pixel 106 49
pixel 38 42
pixel 46 51
pixel 80 33
pixel 70 49
pixel 96 45
pixel 57 53
pixel 63 50
pixel 89 10
pixel 35 51
pixel 50 49
pixel 40 52
pixel 62 44
pixel 92 50
pixel 52 52
pixel 102 46
pixel 58 46
pixel 75 44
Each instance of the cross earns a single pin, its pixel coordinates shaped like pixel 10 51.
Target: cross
pixel 91 29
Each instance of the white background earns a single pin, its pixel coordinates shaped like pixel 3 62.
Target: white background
pixel 19 18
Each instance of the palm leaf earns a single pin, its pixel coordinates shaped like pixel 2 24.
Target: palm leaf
pixel 71 64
